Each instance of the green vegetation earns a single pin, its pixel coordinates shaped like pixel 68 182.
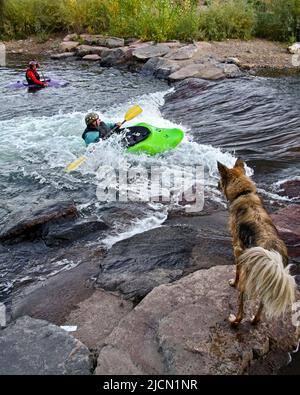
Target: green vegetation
pixel 158 20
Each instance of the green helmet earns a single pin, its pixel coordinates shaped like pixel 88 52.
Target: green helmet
pixel 91 117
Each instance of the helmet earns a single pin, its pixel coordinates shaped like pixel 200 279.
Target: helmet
pixel 33 63
pixel 91 117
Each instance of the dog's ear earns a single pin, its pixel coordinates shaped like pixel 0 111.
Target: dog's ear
pixel 240 164
pixel 223 170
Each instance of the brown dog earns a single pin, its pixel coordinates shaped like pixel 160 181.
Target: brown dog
pixel 261 256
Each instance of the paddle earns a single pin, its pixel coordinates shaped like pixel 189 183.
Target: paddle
pixel 131 113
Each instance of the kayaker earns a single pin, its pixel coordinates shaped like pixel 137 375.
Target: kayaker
pixel 32 76
pixel 97 129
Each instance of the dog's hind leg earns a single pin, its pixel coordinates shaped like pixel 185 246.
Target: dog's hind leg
pixel 256 319
pixel 235 320
pixel 237 253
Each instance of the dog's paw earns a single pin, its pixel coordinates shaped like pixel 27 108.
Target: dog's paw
pixel 233 320
pixel 232 283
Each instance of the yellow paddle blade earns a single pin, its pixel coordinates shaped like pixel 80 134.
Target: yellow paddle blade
pixel 74 165
pixel 133 112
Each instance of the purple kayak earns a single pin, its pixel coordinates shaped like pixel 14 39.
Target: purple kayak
pixel 51 84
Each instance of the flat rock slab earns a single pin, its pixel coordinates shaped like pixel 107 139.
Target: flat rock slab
pixel 151 51
pixel 183 53
pixel 205 71
pixel 182 328
pixel 96 318
pixel 35 347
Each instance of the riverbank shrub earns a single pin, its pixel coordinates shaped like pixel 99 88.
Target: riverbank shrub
pixel 158 20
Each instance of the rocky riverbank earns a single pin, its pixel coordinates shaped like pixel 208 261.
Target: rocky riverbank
pixel 171 60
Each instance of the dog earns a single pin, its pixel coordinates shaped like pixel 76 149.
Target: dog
pixel 261 256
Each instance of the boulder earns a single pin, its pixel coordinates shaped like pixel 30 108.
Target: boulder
pixel 30 224
pixel 93 58
pixel 83 50
pixel 117 56
pixel 182 329
pixel 231 70
pixel 61 56
pixel 205 71
pixel 133 267
pixel 68 46
pixel 183 53
pixel 96 317
pixel 151 51
pixel 160 67
pixel 294 49
pixel 287 221
pixel 35 347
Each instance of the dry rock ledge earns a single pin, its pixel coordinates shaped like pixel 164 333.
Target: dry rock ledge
pixel 175 60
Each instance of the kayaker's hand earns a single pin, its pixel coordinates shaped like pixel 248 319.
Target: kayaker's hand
pixel 119 124
pixel 46 85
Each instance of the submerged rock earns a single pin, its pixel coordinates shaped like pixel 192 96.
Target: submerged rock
pixel 35 347
pixel 182 328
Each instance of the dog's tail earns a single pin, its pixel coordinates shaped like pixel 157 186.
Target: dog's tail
pixel 263 276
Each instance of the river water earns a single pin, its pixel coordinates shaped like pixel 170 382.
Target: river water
pixel 256 118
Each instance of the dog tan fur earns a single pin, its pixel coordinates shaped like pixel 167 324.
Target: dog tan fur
pixel 260 255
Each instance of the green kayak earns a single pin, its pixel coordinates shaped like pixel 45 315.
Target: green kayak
pixel 150 139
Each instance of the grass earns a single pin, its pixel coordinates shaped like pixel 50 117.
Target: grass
pixel 158 20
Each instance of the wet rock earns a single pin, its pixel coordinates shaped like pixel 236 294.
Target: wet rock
pixel 291 189
pixel 151 51
pixel 287 221
pixel 93 58
pixel 68 46
pixel 198 70
pixel 117 56
pixel 135 266
pixel 96 318
pixel 182 328
pixel 65 55
pixel 34 347
pixel 183 53
pixel 294 49
pixel 160 67
pixel 31 224
pixel 57 234
pixel 83 50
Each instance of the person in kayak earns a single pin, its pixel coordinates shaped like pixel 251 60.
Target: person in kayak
pixel 33 77
pixel 97 129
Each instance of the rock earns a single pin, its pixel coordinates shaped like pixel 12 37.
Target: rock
pixel 294 49
pixel 160 67
pixel 96 318
pixel 61 233
pixel 287 221
pixel 71 37
pixel 183 53
pixel 93 58
pixel 83 50
pixel 35 347
pixel 65 55
pixel 182 329
pixel 231 70
pixel 117 56
pixel 235 61
pixel 136 265
pixel 291 189
pixel 205 71
pixel 68 46
pixel 103 41
pixel 173 44
pixel 151 51
pixel 31 224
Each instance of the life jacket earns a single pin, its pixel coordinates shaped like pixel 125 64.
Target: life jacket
pixel 29 80
pixel 92 135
